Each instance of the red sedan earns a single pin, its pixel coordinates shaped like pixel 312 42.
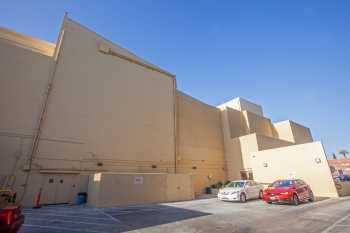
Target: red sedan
pixel 291 191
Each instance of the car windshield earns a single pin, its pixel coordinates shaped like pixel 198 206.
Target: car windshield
pixel 282 183
pixel 235 184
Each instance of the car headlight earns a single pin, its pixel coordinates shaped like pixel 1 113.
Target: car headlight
pixel 234 192
pixel 284 193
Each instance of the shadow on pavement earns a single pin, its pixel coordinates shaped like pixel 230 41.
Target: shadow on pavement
pixel 136 217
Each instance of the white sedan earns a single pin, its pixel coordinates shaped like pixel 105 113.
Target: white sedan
pixel 241 190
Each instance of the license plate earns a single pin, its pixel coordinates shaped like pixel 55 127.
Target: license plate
pixel 273 198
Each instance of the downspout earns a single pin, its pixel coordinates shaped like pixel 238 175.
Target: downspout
pixel 44 107
pixel 175 124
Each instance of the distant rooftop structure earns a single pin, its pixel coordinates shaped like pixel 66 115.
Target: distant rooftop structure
pixel 27 42
pixel 241 104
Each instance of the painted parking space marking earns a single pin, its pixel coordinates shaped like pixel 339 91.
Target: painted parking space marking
pixel 69 221
pixel 337 227
pixel 53 213
pixel 62 215
pixel 63 228
pixel 109 216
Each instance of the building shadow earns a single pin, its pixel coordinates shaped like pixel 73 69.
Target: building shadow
pixel 142 216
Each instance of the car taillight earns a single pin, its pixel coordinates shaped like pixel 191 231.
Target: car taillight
pixel 6 216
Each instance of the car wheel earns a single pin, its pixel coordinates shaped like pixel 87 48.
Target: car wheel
pixel 269 202
pixel 295 200
pixel 311 197
pixel 261 194
pixel 243 198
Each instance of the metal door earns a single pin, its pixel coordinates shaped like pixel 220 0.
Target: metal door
pixel 58 189
pixel 64 190
pixel 48 189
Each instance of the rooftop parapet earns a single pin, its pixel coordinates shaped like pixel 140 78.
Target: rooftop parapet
pixel 241 104
pixel 27 42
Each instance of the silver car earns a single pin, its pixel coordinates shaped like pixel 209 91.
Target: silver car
pixel 241 190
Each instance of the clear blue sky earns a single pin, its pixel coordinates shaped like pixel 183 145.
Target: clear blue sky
pixel 292 57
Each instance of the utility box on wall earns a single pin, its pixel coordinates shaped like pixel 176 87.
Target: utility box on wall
pixel 110 189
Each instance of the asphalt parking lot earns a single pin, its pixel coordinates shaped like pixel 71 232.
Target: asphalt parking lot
pixel 207 215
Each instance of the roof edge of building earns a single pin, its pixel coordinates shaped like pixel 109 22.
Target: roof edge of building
pixel 27 42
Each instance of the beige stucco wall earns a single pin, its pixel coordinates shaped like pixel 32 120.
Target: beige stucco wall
pixel 200 142
pixel 245 132
pixel 258 124
pixel 241 104
pixel 293 132
pixel 298 161
pixel 23 80
pixel 265 143
pixel 242 148
pixel 110 189
pixel 112 108
pixel 232 150
pixel 56 192
pixel 106 109
pixel 301 133
pixel 237 123
pixel 103 108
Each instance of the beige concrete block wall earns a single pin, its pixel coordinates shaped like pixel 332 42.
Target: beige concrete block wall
pixel 200 142
pixel 110 189
pixel 305 161
pixel 180 187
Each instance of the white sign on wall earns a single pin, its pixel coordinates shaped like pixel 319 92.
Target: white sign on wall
pixel 138 179
pixel 292 175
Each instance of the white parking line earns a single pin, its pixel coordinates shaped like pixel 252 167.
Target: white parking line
pixel 79 222
pixel 68 213
pixel 123 224
pixel 63 228
pixel 61 215
pixel 335 224
pixel 55 210
pixel 109 216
